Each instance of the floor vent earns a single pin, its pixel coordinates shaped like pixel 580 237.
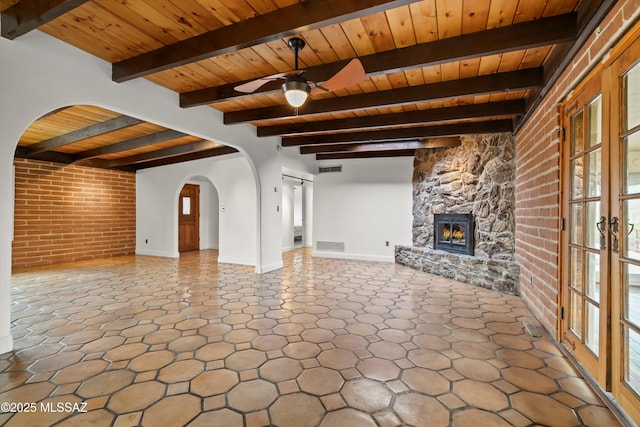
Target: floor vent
pixel 327 169
pixel 532 330
pixel 330 246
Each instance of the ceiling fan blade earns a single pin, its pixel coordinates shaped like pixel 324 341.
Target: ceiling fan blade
pixel 352 74
pixel 254 85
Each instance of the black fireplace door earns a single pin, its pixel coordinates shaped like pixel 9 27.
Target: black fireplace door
pixel 453 233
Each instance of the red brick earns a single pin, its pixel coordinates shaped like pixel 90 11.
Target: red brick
pixel 71 213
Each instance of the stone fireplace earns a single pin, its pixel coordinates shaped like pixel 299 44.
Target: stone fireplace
pixel 473 181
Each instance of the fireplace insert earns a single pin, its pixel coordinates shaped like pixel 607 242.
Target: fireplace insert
pixel 453 233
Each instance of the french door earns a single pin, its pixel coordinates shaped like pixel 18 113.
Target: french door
pixel 600 321
pixel 624 79
pixel 587 244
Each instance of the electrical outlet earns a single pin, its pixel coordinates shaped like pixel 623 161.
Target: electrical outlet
pixel 386 243
pixel 146 241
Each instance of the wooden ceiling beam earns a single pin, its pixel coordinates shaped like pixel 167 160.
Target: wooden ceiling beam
pixel 590 15
pixel 178 150
pixel 280 23
pixel 492 109
pixel 444 142
pixel 366 155
pixel 490 126
pixel 213 152
pixel 47 156
pixel 526 35
pixel 26 16
pixel 111 125
pixel 514 80
pixel 142 141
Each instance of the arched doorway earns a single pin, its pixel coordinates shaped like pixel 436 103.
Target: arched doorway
pixel 198 215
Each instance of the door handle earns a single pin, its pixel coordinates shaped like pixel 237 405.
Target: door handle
pixel 613 226
pixel 602 228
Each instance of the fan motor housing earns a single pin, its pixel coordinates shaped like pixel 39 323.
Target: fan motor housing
pixel 296 44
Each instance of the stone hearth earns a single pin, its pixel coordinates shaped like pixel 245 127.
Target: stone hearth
pixel 476 177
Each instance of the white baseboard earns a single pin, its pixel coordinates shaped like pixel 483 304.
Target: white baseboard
pixel 230 260
pixel 269 267
pixel 164 254
pixel 357 257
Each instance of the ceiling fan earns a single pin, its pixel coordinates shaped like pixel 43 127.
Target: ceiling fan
pixel 296 88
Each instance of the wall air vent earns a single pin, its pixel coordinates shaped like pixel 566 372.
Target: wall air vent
pixel 330 246
pixel 327 169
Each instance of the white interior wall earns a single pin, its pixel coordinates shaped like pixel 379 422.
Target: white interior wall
pixel 287 214
pixel 297 205
pixel 366 205
pixel 209 215
pixel 307 213
pixel 157 207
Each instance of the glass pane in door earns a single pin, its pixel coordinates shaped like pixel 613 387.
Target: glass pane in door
pixel 575 279
pixel 186 206
pixel 632 368
pixel 630 230
pixel 577 173
pixel 592 292
pixel 592 335
pixel 593 276
pixel 632 166
pixel 594 161
pixel 592 220
pixel 575 321
pixel 595 122
pixel 631 316
pixel 577 140
pixel 631 306
pixel 576 223
pixel 631 90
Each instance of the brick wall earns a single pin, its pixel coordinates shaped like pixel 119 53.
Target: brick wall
pixel 70 213
pixel 538 174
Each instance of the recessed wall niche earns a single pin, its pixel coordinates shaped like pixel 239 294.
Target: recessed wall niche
pixel 475 178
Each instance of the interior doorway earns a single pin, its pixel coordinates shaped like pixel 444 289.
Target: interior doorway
pixel 189 218
pixel 297 199
pixel 298 220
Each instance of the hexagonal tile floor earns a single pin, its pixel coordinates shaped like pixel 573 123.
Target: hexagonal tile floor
pixel 322 342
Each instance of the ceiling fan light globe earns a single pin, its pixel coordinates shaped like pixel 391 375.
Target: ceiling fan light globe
pixel 296 92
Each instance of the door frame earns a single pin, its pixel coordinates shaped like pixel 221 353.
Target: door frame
pixel 195 208
pixel 596 365
pixel 627 397
pixel 609 372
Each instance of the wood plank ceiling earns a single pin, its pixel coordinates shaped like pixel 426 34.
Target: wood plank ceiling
pixel 435 69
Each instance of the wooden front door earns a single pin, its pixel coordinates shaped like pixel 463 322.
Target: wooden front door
pixel 189 218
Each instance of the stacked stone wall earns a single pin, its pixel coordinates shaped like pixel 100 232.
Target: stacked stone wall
pixel 476 177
